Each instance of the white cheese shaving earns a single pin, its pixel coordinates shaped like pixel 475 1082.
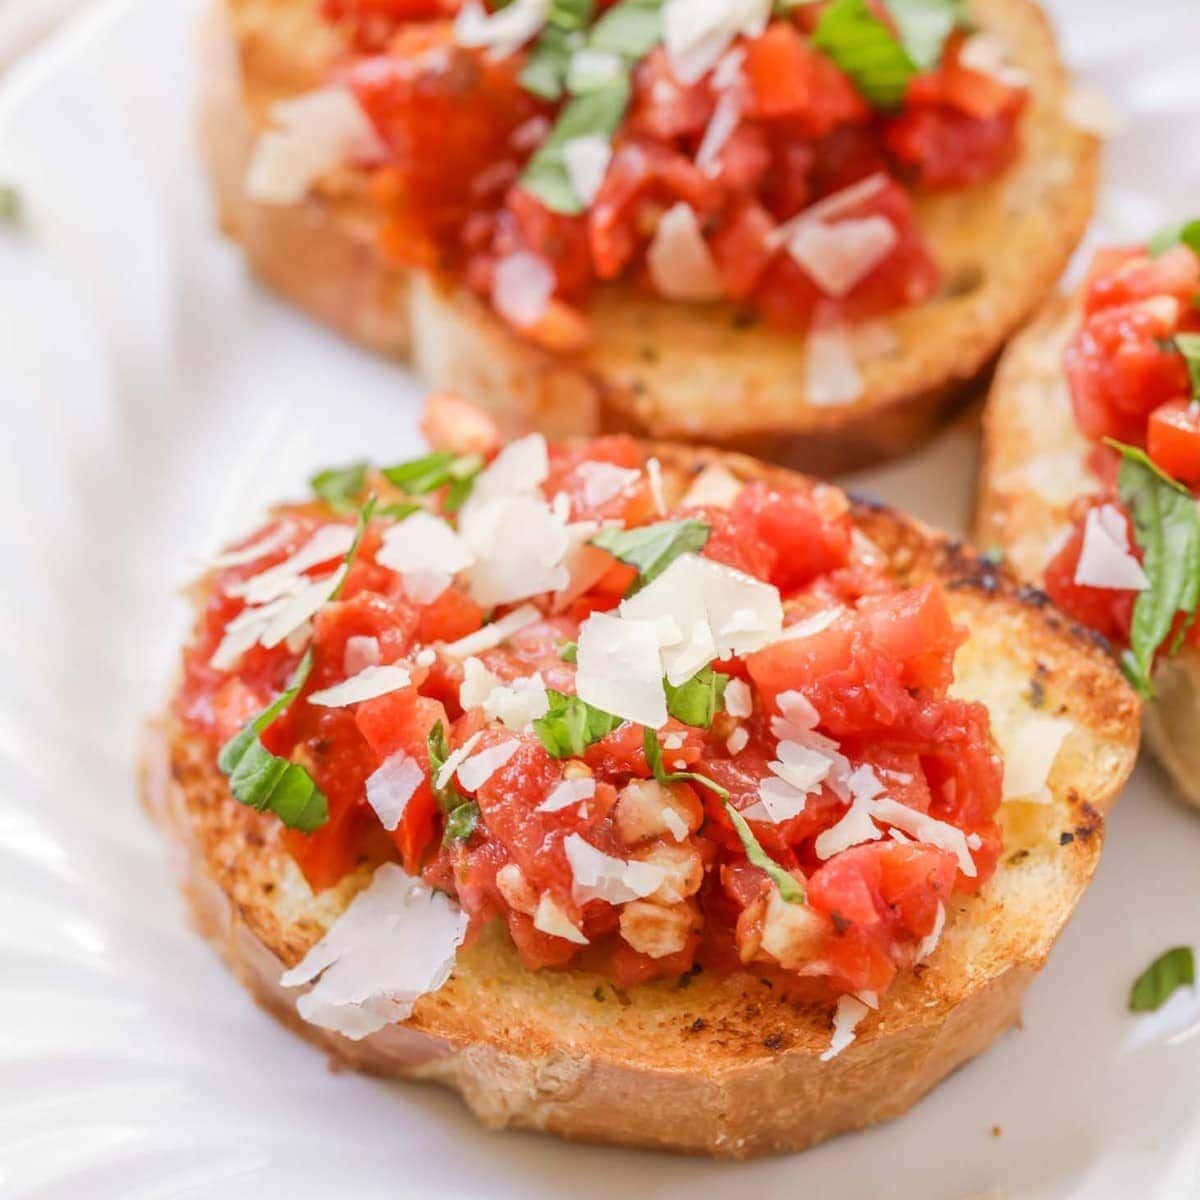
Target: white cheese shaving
pixel 477 685
pixel 454 760
pixel 680 263
pixel 504 31
pixel 360 653
pixel 676 826
pixel 309 136
pixel 296 610
pixel 839 257
pixel 714 487
pixel 725 119
pixel 831 373
pixel 254 551
pixel 1030 752
pixel 566 793
pixel 831 207
pixel 522 285
pixel 479 768
pixel 366 685
pixel 519 545
pixel 856 825
pixel 426 552
pixel 519 469
pixel 603 481
pixel 929 943
pixel 618 671
pixel 654 476
pixel 929 830
pixel 715 610
pixel 1106 561
pixel 600 876
pixel 849 1012
pixel 808 626
pixel 396 941
pixel 739 701
pixel 518 703
pixel 586 159
pixel 285 578
pixel 494 634
pixel 550 917
pixel 391 787
pixel 737 740
pixel 696 33
pixel 989 54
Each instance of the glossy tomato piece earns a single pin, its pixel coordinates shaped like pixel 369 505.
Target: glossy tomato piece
pixel 662 106
pixel 740 249
pixel 1124 276
pixel 1173 439
pixel 915 629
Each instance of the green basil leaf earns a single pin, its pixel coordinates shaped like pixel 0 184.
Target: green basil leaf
pixel 1188 344
pixel 571 725
pixel 653 548
pixel 790 888
pixel 339 487
pixel 864 48
pixel 398 512
pixel 364 519
pixel 1175 968
pixel 696 701
pixel 1187 233
pixel 1167 528
pixel 632 29
pixel 925 26
pixel 596 112
pixel 461 823
pixel 449 797
pixel 569 652
pixel 654 760
pixel 545 70
pixel 10 205
pixel 423 475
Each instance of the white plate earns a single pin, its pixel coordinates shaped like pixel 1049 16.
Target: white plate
pixel 152 399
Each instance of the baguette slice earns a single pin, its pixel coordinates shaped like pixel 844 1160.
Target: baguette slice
pixel 661 369
pixel 1034 466
pixel 722 1066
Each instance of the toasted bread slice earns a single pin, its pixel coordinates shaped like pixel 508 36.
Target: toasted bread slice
pixel 724 1066
pixel 1035 465
pixel 661 369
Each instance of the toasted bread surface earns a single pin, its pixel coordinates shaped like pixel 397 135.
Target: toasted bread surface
pixel 723 1066
pixel 1034 467
pixel 661 369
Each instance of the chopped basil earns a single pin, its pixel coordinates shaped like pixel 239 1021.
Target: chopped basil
pixel 1187 233
pixel 461 822
pixel 696 701
pixel 436 470
pixel 340 486
pixel 653 548
pixel 569 652
pixel 571 725
pixel 545 72
pixel 878 62
pixel 597 112
pixel 631 29
pixel 1188 344
pixel 10 205
pixel 1172 969
pixel 267 782
pixel 364 519
pixel 398 512
pixel 654 760
pixel 449 797
pixel 790 888
pixel 1167 528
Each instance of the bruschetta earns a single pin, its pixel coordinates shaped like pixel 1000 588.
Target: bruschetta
pixel 800 236
pixel 641 794
pixel 1090 470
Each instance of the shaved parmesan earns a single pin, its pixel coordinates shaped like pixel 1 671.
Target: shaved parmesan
pixel 517 703
pixel 680 263
pixel 929 943
pixel 504 31
pixel 726 116
pixel 586 160
pixel 391 787
pixel 329 542
pixel 808 626
pixel 454 760
pixel 849 1012
pixel 296 610
pixel 426 657
pixel 988 54
pixel 260 548
pixel 856 825
pixel 494 634
pixel 618 670
pixel 714 487
pixel 839 257
pixel 309 136
pixel 519 546
pixel 655 478
pixel 832 375
pixel 831 207
pixel 366 685
pixel 929 830
pixel 600 876
pixel 739 702
pixel 603 481
pixel 570 791
pixel 426 552
pixel 519 469
pixel 1030 753
pixel 1106 561
pixel 360 653
pixel 477 685
pixel 522 285
pixel 696 33
pixel 737 740
pixel 552 918
pixel 479 768
pixel 396 941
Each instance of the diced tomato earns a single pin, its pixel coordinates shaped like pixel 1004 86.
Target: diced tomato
pixel 451 423
pixel 451 616
pixel 662 107
pixel 1109 611
pixel 914 629
pixel 1173 439
pixel 1124 276
pixel 741 251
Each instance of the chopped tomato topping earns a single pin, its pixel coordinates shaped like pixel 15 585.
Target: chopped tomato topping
pixel 1173 439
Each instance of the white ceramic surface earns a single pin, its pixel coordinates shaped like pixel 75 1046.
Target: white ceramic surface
pixel 152 397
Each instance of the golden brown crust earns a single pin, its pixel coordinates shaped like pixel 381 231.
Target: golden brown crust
pixel 729 1066
pixel 1034 467
pixel 659 369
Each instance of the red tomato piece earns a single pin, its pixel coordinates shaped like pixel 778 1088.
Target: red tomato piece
pixel 1173 439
